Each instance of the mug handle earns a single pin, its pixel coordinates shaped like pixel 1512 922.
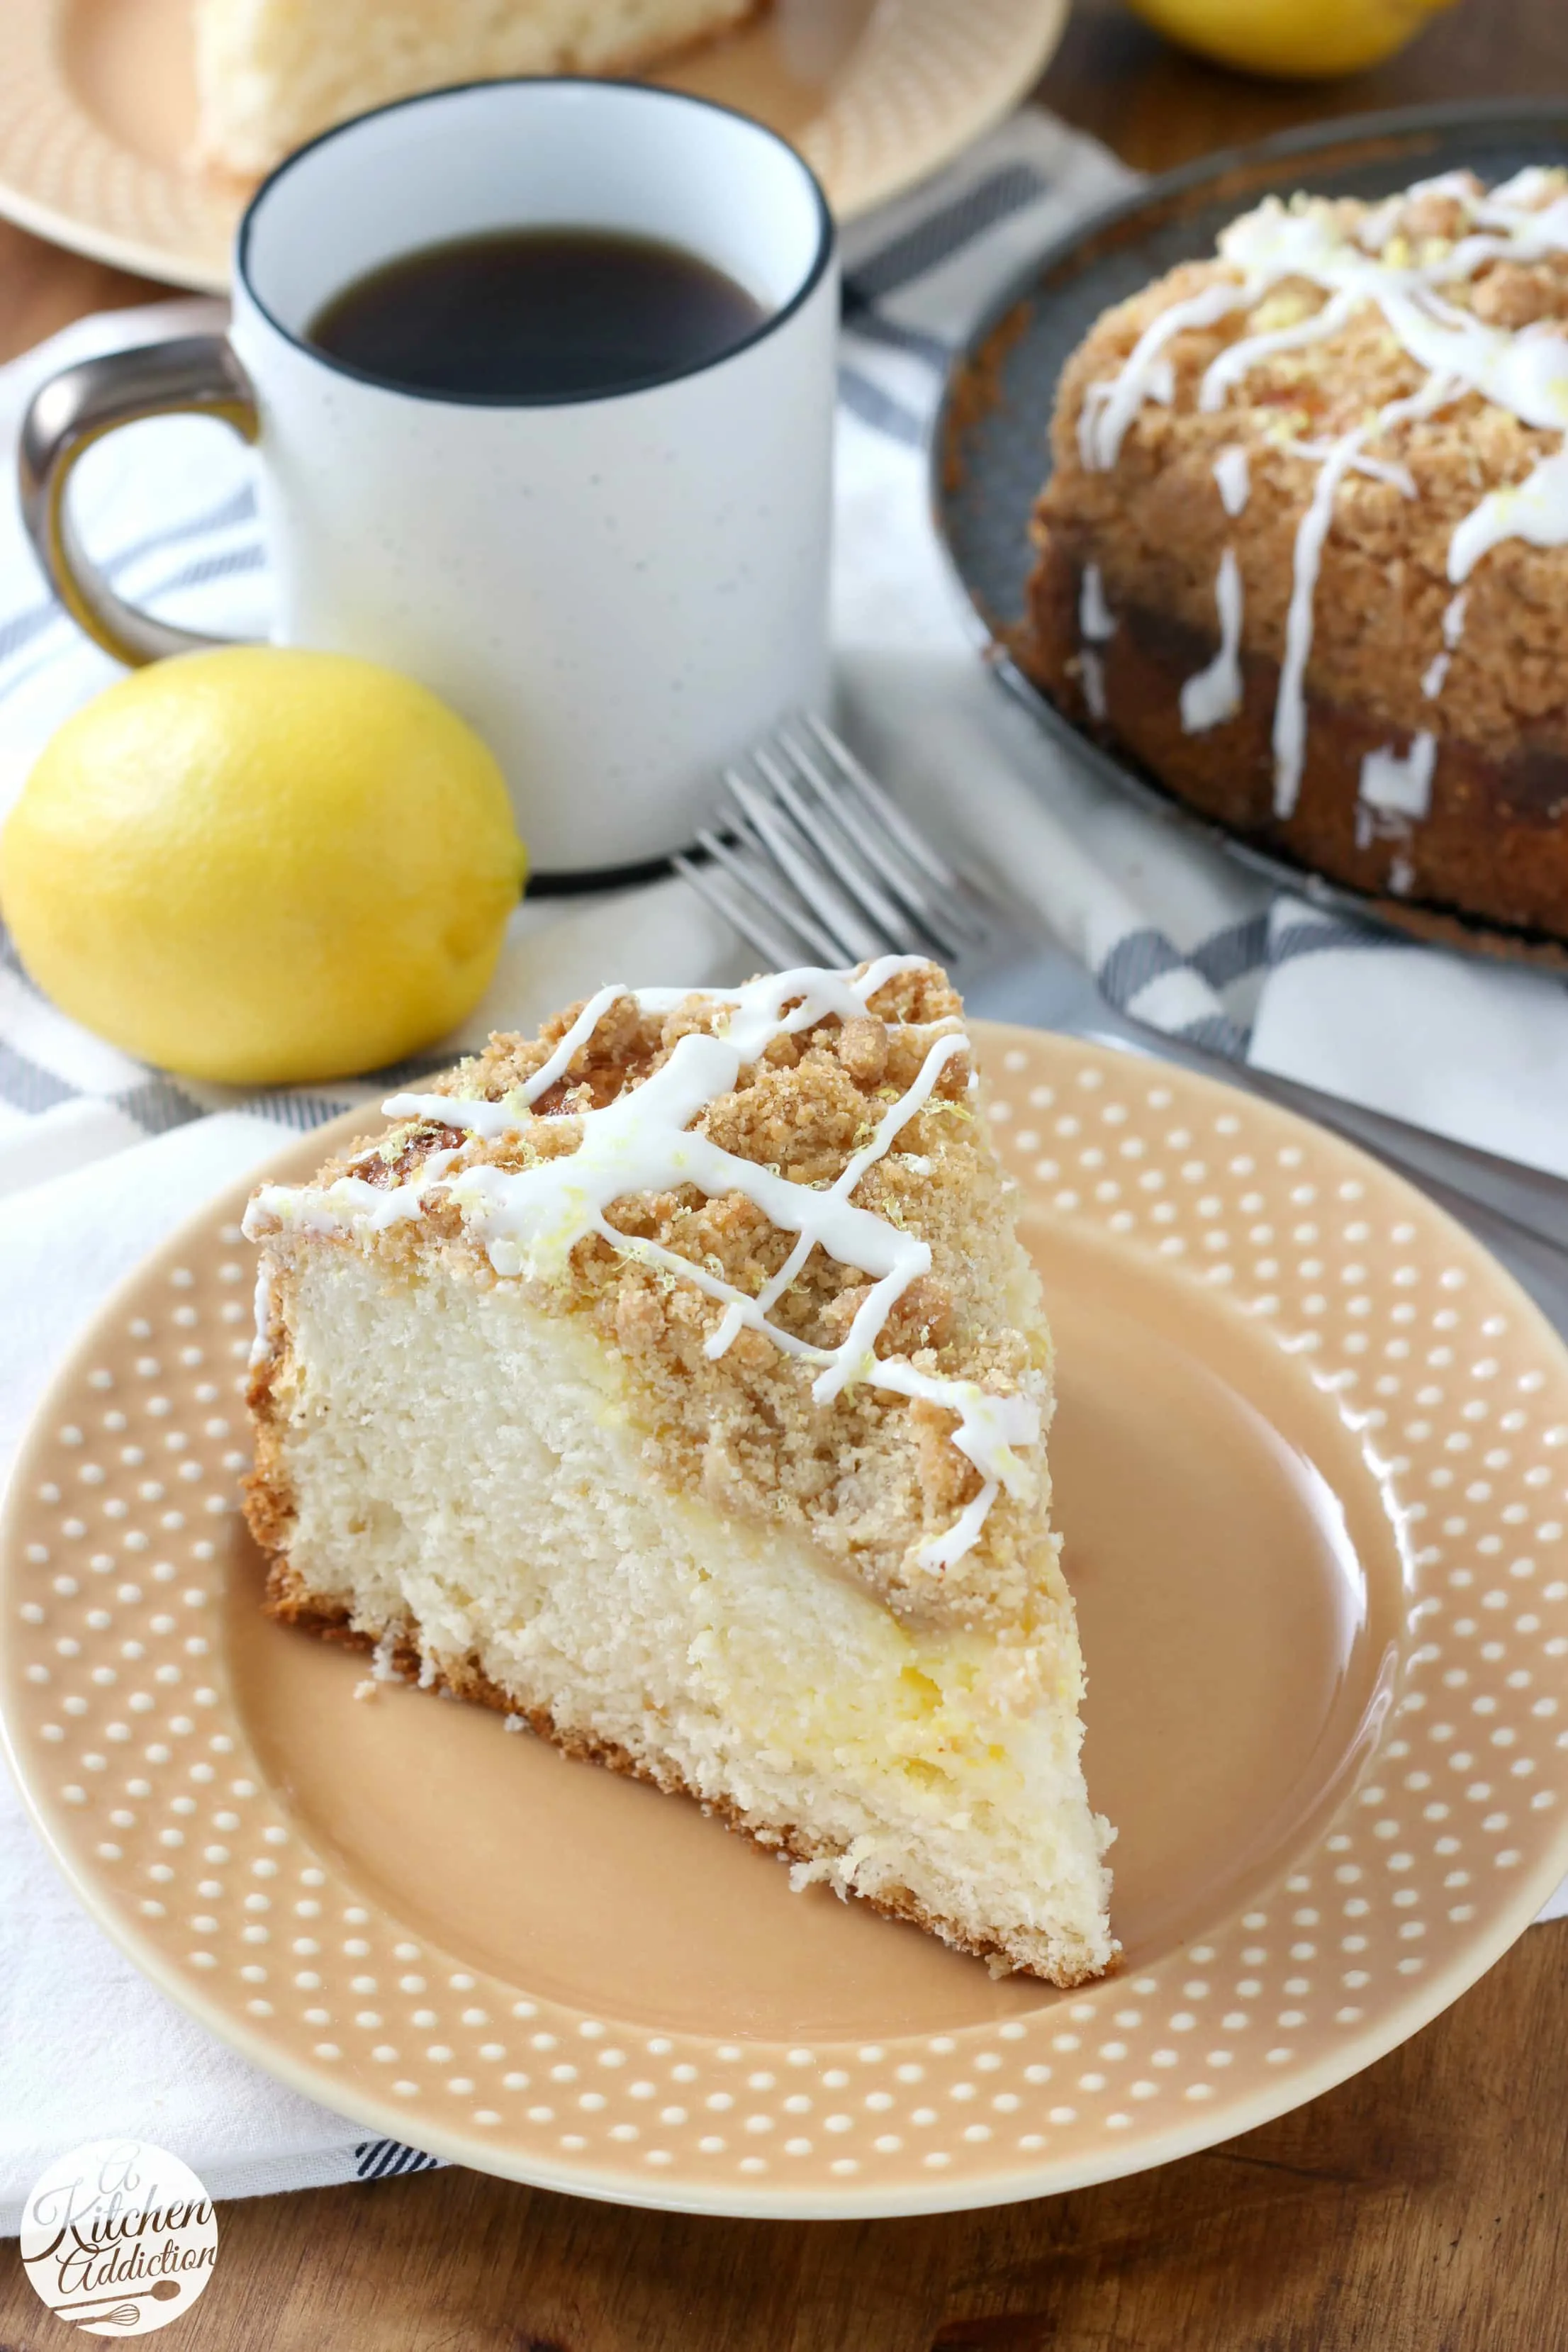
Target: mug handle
pixel 195 374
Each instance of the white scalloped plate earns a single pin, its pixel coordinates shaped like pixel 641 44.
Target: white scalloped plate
pixel 1313 1465
pixel 98 109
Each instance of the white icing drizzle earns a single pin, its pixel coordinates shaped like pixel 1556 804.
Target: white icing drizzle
pixel 1435 674
pixel 1527 373
pixel 1535 509
pixel 531 1218
pixel 1095 399
pixel 1248 351
pixel 492 1119
pixel 1524 371
pixel 350 1201
pixel 1290 734
pixel 1095 618
pixel 1215 693
pixel 1527 187
pixel 1399 783
pixel 1231 473
pixel 1378 470
pixel 1289 730
pixel 1103 420
pixel 1091 671
pixel 816 1228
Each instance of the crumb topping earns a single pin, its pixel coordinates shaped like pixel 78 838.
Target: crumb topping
pixel 1397 375
pixel 834 1326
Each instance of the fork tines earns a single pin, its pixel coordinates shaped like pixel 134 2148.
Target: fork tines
pixel 808 858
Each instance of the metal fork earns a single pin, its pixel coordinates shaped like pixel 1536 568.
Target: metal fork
pixel 810 860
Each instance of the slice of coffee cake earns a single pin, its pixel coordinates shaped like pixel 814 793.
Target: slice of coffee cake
pixel 677 1381
pixel 270 74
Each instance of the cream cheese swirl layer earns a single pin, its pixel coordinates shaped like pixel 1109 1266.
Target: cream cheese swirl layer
pixel 531 1219
pixel 1524 371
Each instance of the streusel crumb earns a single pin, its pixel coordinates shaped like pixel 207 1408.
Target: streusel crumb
pixel 1156 529
pixel 870 1476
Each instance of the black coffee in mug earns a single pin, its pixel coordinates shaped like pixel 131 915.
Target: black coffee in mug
pixel 536 314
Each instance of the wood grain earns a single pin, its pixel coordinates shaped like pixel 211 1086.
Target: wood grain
pixel 1417 2209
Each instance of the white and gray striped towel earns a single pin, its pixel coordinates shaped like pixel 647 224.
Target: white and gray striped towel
pixel 99 1156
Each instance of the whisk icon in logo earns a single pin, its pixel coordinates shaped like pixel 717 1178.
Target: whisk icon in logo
pixel 119 2237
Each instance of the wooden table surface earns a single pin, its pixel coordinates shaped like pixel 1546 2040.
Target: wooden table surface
pixel 1418 2209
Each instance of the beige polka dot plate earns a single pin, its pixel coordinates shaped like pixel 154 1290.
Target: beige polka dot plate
pixel 98 109
pixel 1312 1458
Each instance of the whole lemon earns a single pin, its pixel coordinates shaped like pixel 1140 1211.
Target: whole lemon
pixel 1289 37
pixel 259 866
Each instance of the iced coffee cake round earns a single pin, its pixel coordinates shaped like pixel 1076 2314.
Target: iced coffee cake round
pixel 1303 548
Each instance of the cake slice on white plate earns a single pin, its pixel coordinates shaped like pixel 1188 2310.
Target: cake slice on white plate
pixel 677 1381
pixel 270 74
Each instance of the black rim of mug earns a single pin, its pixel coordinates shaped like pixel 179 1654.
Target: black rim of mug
pixel 771 325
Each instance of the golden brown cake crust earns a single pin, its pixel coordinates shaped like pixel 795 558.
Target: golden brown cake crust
pixel 1496 842
pixel 291 1603
pixel 1493 845
pixel 873 1475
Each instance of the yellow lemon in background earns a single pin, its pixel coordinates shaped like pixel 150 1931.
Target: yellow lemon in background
pixel 259 866
pixel 1305 37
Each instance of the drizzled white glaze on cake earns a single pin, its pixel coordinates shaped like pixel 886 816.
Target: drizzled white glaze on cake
pixel 1436 673
pixel 1376 469
pixel 1215 693
pixel 1535 509
pixel 1524 372
pixel 1095 617
pixel 529 1219
pixel 1399 783
pixel 1435 676
pixel 1232 478
pixel 1108 408
pixel 1289 736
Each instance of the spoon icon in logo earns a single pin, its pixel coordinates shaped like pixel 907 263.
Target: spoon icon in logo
pixel 125 2314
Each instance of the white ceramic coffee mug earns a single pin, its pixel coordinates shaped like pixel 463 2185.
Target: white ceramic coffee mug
pixel 619 592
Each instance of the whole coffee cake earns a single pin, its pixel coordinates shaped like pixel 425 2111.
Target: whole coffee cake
pixel 1304 549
